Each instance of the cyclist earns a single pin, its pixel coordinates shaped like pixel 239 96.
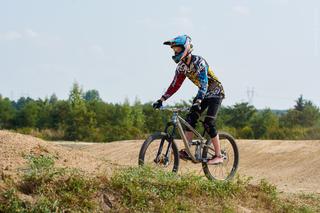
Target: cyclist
pixel 209 96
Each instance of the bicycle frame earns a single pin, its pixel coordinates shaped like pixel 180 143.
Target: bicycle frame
pixel 168 150
pixel 176 122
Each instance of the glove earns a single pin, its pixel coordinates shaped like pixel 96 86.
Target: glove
pixel 196 106
pixel 157 104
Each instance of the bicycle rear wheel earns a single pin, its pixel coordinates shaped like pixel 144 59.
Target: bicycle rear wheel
pixel 230 153
pixel 154 150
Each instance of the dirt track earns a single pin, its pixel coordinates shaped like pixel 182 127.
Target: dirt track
pixel 293 166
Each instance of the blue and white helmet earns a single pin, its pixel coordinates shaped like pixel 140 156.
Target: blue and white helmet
pixel 183 41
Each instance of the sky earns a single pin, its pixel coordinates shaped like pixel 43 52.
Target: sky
pixel 266 52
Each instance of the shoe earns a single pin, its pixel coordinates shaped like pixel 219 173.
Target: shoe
pixel 184 155
pixel 215 160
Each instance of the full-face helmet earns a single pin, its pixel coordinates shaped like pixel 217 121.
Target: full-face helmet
pixel 182 41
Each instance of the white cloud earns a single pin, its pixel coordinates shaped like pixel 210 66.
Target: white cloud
pixel 30 33
pixel 241 10
pixel 15 35
pixel 97 50
pixel 185 10
pixel 10 35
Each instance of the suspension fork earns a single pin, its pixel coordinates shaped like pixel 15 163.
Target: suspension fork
pixel 169 137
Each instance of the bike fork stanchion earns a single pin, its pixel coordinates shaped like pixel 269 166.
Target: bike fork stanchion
pixel 159 151
pixel 168 151
pixel 170 140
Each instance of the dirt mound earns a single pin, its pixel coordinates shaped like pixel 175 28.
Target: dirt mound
pixel 15 148
pixel 292 165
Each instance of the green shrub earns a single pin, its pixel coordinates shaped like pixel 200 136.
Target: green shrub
pixel 56 189
pixel 145 189
pixel 40 171
pixel 230 130
pixel 10 202
pixel 142 189
pixel 246 132
pixel 312 133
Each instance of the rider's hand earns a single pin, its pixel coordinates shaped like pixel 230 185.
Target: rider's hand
pixel 196 106
pixel 157 104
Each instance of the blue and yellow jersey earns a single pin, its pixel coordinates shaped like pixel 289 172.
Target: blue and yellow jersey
pixel 201 75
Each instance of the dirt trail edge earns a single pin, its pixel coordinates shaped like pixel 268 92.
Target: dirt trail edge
pixel 294 166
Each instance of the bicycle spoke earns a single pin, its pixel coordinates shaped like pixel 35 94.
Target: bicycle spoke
pixel 225 170
pixel 162 162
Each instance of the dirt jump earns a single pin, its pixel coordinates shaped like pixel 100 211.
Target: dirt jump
pixel 293 166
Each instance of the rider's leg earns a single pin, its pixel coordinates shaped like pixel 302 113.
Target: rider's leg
pixel 216 144
pixel 214 104
pixel 192 118
pixel 211 129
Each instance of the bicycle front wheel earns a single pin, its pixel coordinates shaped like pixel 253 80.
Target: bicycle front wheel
pixel 230 153
pixel 158 151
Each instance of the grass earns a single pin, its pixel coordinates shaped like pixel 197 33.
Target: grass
pixel 54 189
pixel 148 190
pixel 141 189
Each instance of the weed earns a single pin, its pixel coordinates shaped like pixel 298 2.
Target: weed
pixel 145 188
pixel 142 189
pixel 40 171
pixel 269 190
pixel 11 202
pixel 56 189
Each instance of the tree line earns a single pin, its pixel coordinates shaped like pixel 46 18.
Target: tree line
pixel 84 116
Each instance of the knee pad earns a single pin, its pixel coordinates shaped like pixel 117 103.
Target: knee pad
pixel 210 126
pixel 192 118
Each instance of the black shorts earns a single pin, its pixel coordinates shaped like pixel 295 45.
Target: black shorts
pixel 213 105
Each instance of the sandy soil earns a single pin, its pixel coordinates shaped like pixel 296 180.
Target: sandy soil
pixel 294 166
pixel 15 148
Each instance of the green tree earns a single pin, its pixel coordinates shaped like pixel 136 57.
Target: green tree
pixel 80 122
pixel 53 99
pixel 246 133
pixel 262 122
pixel 239 115
pixel 300 104
pixel 311 114
pixel 155 120
pixel 92 95
pixel 59 114
pixel 137 115
pixel 304 114
pixel 7 113
pixel 28 115
pixel 45 108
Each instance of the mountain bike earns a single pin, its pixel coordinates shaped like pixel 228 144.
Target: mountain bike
pixel 161 150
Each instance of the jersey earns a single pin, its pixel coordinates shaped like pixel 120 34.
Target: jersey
pixel 201 75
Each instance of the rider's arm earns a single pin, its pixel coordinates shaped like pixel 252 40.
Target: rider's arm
pixel 175 85
pixel 203 79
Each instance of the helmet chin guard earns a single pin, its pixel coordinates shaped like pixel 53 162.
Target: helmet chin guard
pixel 184 42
